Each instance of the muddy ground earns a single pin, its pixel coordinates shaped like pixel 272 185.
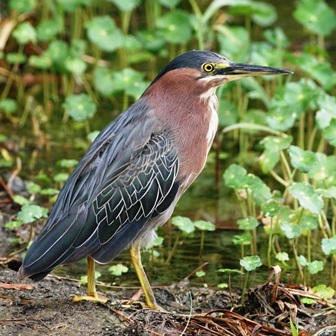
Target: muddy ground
pixel 46 308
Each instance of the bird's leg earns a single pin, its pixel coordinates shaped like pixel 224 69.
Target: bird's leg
pixel 146 288
pixel 91 285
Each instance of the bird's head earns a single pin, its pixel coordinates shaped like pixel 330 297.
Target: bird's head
pixel 204 70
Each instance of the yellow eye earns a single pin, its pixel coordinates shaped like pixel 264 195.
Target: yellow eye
pixel 208 67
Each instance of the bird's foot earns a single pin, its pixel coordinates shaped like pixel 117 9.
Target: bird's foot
pixel 94 297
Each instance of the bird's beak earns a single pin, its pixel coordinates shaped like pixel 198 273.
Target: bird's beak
pixel 234 71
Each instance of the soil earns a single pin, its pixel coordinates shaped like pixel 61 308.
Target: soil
pixel 46 308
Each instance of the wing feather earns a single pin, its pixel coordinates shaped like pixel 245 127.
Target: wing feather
pixel 121 184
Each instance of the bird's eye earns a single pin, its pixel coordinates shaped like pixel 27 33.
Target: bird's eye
pixel 208 67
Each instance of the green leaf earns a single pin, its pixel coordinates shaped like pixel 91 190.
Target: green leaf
pixel 13 224
pixel 47 30
pixel 157 242
pixel 262 13
pixel 290 230
pixel 316 16
pixel 302 260
pixel 61 177
pixel 323 291
pixel 301 159
pixel 58 52
pixel 22 6
pixel 118 270
pixel 268 160
pixel 200 274
pixel 92 135
pixel 126 5
pixel 308 222
pixel 307 301
pixel 248 223
pixel 75 65
pixel 328 193
pixel 329 245
pixel 72 5
pixel 289 103
pixel 175 26
pixel 25 33
pixel 276 143
pixel 40 62
pixel 184 224
pixel 80 107
pixel 21 200
pixel 16 58
pixel 204 225
pixel 67 163
pixel 129 80
pixel 315 266
pixel 324 170
pixel 238 38
pixel 250 263
pixel 282 256
pixel 273 146
pixel 29 213
pixel 222 285
pixel 329 132
pixel 151 40
pixel 8 105
pixel 326 112
pixel 33 188
pixel 244 239
pixel 103 32
pixel 103 81
pixel 84 279
pixel 49 191
pixel 256 187
pixel 271 208
pixel 307 197
pixel 234 175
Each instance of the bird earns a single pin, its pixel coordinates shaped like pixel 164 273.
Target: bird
pixel 135 171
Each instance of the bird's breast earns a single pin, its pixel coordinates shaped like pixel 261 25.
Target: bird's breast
pixel 195 139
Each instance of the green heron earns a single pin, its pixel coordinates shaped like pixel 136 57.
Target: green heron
pixel 128 182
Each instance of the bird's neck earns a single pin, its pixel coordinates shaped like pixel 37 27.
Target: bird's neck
pixel 192 120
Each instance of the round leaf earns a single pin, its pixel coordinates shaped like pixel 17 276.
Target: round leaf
pixel 290 230
pixel 308 198
pixel 175 26
pixel 204 225
pixel 80 107
pixel 315 266
pixel 250 263
pixel 103 32
pixel 301 159
pixel 329 245
pixel 118 270
pixel 30 213
pixel 184 224
pixel 248 223
pixel 22 6
pixel 47 30
pixel 25 33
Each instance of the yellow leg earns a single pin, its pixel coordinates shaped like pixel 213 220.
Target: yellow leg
pixel 146 288
pixel 91 285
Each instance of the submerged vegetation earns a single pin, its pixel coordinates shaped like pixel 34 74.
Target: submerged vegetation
pixel 63 63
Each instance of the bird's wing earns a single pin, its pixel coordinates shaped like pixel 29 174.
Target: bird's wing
pixel 127 177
